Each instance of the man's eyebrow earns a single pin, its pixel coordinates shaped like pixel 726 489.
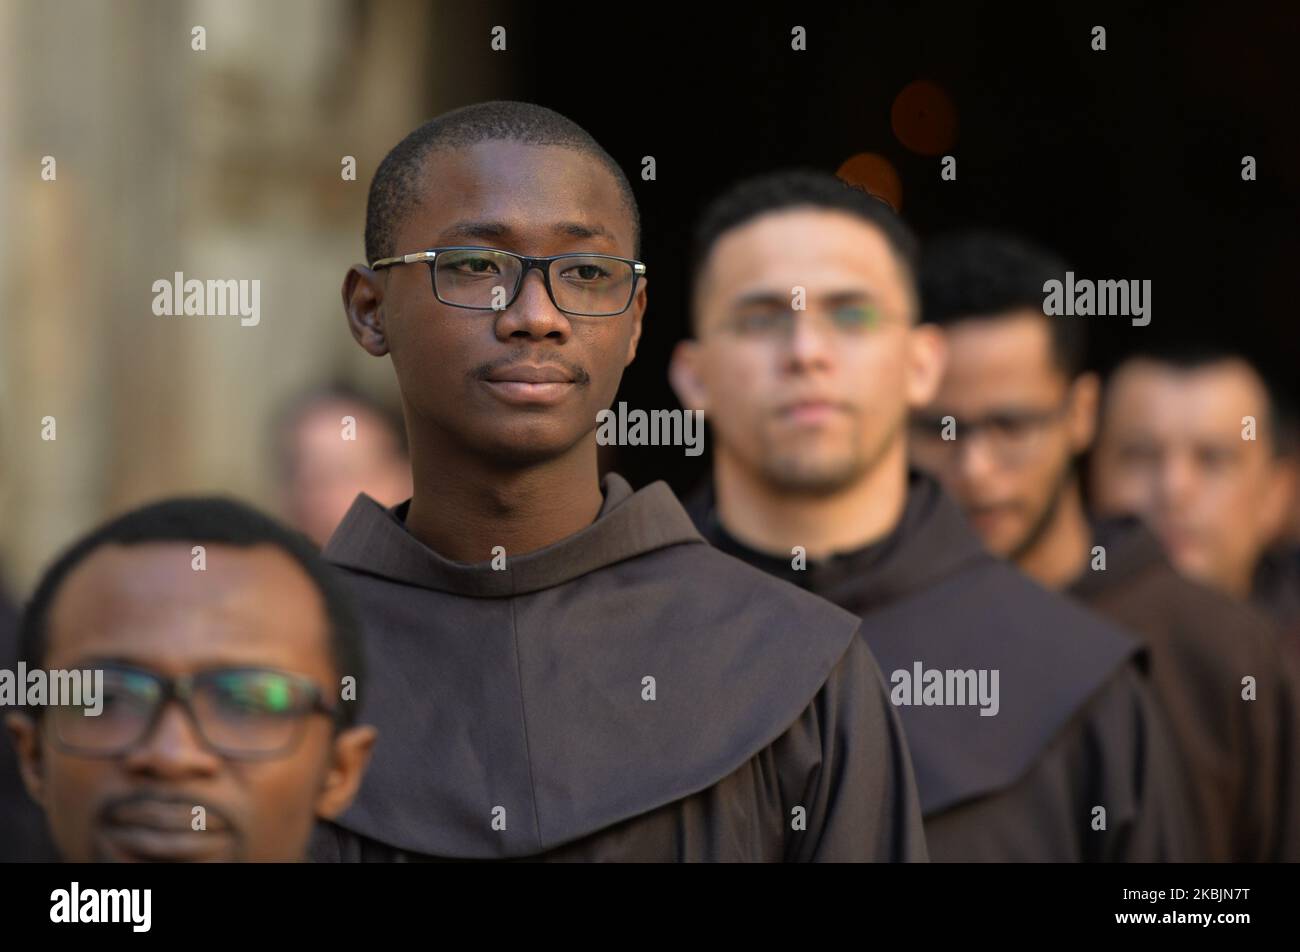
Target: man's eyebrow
pixel 496 231
pixel 776 297
pixel 96 662
pixel 145 662
pixel 575 229
pixel 761 297
pixel 847 297
pixel 468 230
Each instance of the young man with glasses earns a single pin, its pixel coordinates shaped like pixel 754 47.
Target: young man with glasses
pixel 230 663
pixel 1024 409
pixel 807 358
pixel 563 670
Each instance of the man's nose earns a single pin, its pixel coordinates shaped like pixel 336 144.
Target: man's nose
pixel 1175 482
pixel 973 458
pixel 173 748
pixel 533 313
pixel 809 345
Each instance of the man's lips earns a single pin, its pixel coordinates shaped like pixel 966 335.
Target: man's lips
pixel 156 830
pixel 145 844
pixel 530 373
pixel 530 384
pixel 161 815
pixel 989 517
pixel 810 412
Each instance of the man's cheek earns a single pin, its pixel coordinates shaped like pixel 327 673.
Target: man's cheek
pixel 739 420
pixel 72 793
pixel 278 807
pixel 1132 492
pixel 269 811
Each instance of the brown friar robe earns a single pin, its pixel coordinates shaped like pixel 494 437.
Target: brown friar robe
pixel 1276 593
pixel 1076 730
pixel 1242 756
pixel 628 693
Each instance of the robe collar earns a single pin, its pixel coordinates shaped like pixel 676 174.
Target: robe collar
pixel 929 592
pixel 930 541
pixel 375 540
pixel 1130 547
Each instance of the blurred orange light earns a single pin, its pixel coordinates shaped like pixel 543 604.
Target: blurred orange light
pixel 876 174
pixel 924 118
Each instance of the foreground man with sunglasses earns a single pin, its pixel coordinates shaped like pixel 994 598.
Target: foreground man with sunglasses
pixel 563 669
pixel 227 649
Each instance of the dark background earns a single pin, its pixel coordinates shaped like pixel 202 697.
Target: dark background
pixel 1127 161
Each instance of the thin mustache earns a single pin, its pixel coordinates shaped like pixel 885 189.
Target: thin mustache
pixel 481 372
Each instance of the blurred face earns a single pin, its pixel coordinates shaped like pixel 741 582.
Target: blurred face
pixel 327 472
pixel 809 400
pixel 523 384
pixel 1018 425
pixel 1171 450
pixel 144 607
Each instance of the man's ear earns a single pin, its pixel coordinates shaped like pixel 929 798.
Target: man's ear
pixel 1278 498
pixel 684 375
pixel 927 358
pixel 638 312
pixel 351 756
pixel 26 738
pixel 363 297
pixel 1085 393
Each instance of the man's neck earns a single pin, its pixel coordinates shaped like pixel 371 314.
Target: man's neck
pixel 769 520
pixel 464 507
pixel 1061 552
pixel 1240 584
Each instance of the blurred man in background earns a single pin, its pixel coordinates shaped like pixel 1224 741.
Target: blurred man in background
pixel 331 444
pixel 225 725
pixel 1193 439
pixel 1015 410
pixel 807 360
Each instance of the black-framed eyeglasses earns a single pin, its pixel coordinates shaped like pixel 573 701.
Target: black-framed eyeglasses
pixel 1012 435
pixel 241 713
pixel 489 279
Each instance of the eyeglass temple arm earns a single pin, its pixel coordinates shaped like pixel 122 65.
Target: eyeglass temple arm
pixel 404 259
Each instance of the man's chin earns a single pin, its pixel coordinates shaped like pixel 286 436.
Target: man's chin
pixel 527 444
pixel 1191 561
pixel 1005 540
pixel 810 477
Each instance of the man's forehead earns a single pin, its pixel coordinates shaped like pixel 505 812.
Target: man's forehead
pixel 1226 383
pixel 146 604
pixel 498 190
pixel 1017 342
pixel 821 250
pixel 1186 402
